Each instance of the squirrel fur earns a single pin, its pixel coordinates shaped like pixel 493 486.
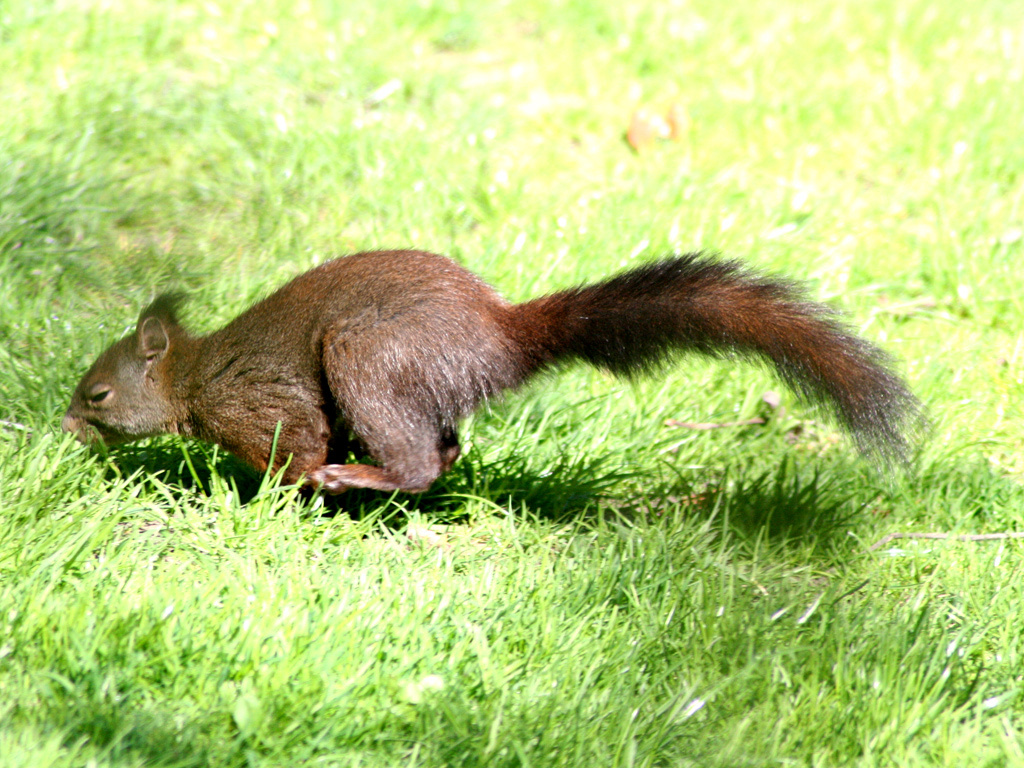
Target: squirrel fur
pixel 384 352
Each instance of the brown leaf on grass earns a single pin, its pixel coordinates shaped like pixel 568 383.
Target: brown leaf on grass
pixel 645 127
pixel 678 121
pixel 648 125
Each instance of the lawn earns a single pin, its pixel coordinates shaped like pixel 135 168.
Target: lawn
pixel 591 584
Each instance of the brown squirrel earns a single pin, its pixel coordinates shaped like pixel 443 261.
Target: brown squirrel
pixel 385 351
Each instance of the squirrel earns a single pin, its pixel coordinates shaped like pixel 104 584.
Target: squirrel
pixel 384 352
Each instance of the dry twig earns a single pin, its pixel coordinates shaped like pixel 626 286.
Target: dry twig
pixel 955 536
pixel 712 425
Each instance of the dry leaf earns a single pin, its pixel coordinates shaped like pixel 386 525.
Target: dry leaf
pixel 645 127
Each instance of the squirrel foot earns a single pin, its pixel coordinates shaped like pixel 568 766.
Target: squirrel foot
pixel 338 478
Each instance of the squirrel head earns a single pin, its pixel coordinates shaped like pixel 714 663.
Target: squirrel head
pixel 126 394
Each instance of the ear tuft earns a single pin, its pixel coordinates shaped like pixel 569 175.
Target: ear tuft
pixel 164 308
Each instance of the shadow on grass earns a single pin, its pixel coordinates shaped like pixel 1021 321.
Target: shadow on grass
pixel 810 507
pixel 814 503
pixel 187 469
pixel 786 505
pixel 562 491
pixel 129 736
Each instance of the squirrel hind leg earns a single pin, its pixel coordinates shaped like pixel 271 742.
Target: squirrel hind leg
pixel 400 410
pixel 408 464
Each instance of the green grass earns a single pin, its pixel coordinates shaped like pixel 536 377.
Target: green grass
pixel 587 587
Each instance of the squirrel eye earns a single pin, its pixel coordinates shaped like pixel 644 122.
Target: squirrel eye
pixel 99 394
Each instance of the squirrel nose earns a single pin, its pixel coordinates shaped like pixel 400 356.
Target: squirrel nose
pixel 83 431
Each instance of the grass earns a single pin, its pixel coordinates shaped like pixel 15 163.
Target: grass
pixel 587 586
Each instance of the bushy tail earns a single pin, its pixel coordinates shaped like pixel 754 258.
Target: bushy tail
pixel 632 322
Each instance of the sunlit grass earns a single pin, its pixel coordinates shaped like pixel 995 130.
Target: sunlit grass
pixel 588 585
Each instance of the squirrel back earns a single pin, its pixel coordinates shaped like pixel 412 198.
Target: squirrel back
pixel 384 352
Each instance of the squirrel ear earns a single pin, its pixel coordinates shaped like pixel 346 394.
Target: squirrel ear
pixel 153 330
pixel 153 340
